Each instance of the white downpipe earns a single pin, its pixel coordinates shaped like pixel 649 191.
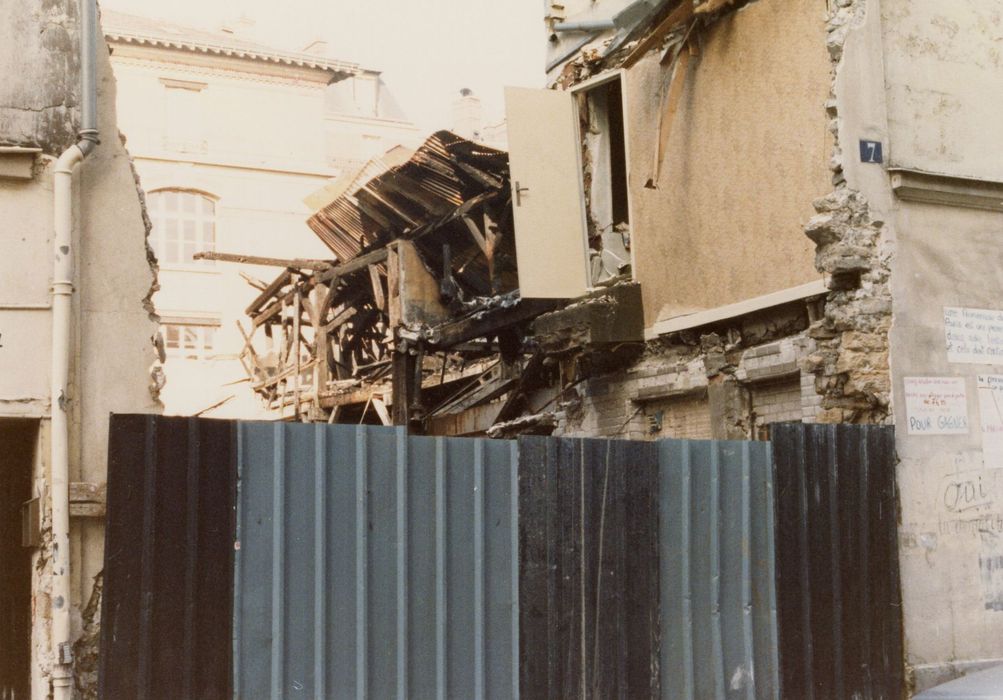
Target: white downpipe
pixel 62 346
pixel 62 350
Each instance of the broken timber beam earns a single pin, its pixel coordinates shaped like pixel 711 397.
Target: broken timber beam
pixel 354 265
pixel 489 322
pixel 258 260
pixel 268 292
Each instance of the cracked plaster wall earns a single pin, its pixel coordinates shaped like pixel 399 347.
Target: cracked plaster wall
pixel 113 321
pixel 921 77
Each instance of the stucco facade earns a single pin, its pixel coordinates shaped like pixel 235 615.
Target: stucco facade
pixel 244 140
pixel 113 325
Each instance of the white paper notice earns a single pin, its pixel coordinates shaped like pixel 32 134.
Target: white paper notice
pixel 974 336
pixel 936 405
pixel 990 388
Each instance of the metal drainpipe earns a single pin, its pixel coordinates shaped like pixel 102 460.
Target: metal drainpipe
pixel 62 347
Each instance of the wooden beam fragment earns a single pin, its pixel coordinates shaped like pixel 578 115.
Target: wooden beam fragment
pixel 376 279
pixel 299 263
pixel 270 291
pixel 670 105
pixel 253 281
pixel 354 265
pixel 476 234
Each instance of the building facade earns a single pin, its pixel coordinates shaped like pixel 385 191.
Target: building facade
pixel 53 435
pixel 229 138
pixel 809 198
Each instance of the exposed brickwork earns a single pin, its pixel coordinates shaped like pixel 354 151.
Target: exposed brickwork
pixel 713 388
pixel 776 402
pixel 685 417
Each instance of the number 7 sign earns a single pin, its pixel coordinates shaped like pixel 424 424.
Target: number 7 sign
pixel 871 152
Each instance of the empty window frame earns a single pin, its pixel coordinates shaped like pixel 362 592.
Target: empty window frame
pixel 183 223
pixel 190 341
pixel 604 175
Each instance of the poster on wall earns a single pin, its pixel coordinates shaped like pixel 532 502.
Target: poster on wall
pixel 990 388
pixel 974 336
pixel 936 405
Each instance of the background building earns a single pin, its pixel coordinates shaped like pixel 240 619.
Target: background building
pixel 229 137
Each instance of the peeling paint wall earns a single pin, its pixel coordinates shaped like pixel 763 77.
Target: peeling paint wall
pixel 113 327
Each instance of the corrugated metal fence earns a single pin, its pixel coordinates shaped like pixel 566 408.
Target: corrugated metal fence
pixel 371 564
pixel 168 559
pixel 718 601
pixel 840 608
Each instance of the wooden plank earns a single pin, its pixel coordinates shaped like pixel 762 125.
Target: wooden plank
pixel 682 13
pixel 248 346
pixel 381 411
pixel 668 113
pixel 297 303
pixel 377 281
pixel 253 281
pixel 476 234
pixel 404 370
pixel 299 263
pixel 339 319
pixel 353 265
pixel 269 291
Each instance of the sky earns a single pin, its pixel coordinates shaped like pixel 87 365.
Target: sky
pixel 427 49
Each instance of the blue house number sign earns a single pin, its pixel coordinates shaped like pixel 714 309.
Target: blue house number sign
pixel 871 152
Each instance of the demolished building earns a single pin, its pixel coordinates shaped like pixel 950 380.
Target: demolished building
pixel 724 214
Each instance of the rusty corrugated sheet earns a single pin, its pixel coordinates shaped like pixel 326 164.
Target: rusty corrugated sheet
pixel 839 601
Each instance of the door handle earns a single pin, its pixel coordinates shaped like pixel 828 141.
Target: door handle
pixel 518 193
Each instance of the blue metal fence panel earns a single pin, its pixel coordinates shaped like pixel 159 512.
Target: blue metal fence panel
pixel 373 564
pixel 717 586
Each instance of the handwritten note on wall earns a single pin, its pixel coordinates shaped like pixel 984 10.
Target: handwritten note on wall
pixel 990 388
pixel 974 335
pixel 936 405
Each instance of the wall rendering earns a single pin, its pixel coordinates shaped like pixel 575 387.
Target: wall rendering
pixel 113 325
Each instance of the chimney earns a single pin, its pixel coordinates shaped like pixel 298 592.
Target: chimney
pixel 468 115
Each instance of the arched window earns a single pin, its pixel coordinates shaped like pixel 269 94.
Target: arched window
pixel 184 223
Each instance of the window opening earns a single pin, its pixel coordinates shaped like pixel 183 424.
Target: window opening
pixel 189 342
pixel 183 223
pixel 604 156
